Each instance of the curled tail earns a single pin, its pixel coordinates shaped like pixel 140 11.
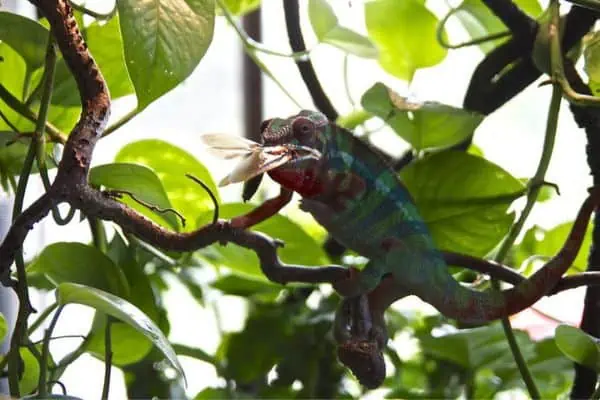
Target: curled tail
pixel 468 305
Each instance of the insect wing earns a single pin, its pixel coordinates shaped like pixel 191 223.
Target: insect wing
pixel 254 164
pixel 228 146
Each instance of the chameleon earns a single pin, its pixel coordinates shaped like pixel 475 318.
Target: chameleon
pixel 359 199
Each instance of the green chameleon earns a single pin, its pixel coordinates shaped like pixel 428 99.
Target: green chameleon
pixel 350 190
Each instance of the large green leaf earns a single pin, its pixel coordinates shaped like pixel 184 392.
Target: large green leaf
pixel 71 293
pixel 12 75
pixel 171 163
pixel 129 346
pixel 106 44
pixel 423 125
pixel 299 247
pixel 547 243
pixel 164 40
pixel 246 286
pixel 328 30
pixel 479 21
pixel 31 372
pixel 464 200
pixel 3 327
pixel 142 182
pixel 578 346
pixel 77 262
pixel 26 37
pixel 405 33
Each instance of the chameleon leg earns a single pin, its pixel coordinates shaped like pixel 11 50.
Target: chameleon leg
pixel 360 282
pixel 264 211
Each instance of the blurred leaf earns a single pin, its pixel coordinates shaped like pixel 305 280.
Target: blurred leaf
pixel 107 303
pixel 479 21
pixel 142 182
pixel 299 247
pixel 245 286
pixel 171 163
pixel 463 199
pixel 26 37
pixel 80 263
pixel 591 65
pixel 328 30
pixel 423 125
pixel 12 76
pixel 163 41
pixel 31 372
pixel 3 327
pixel 241 7
pixel 405 33
pixel 550 243
pixel 578 346
pixel 128 345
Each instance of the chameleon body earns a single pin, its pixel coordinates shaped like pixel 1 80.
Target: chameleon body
pixel 359 199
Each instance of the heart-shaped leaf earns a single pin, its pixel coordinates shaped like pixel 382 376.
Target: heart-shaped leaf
pixel 72 293
pixel 171 163
pixel 423 125
pixel 578 346
pixel 164 40
pixel 143 183
pixel 80 263
pixel 26 37
pixel 464 200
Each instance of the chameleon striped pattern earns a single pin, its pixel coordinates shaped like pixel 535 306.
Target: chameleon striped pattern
pixel 360 200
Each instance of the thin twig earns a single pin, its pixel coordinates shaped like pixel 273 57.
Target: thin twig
pixel 42 384
pixel 210 193
pixel 95 14
pixel 116 193
pixel 107 358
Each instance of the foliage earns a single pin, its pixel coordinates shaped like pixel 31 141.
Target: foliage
pixel 285 348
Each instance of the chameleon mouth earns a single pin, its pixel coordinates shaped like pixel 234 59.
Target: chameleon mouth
pixel 255 157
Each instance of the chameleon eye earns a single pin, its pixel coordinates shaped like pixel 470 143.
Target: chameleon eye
pixel 303 127
pixel 264 125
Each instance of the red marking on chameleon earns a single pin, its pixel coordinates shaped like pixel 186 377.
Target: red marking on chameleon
pixel 304 182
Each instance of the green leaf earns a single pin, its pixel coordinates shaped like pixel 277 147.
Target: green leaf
pixel 405 33
pixel 245 286
pixel 241 7
pixel 591 65
pixel 547 243
pixel 143 183
pixel 68 293
pixel 128 345
pixel 26 37
pixel 327 29
pixel 300 248
pixel 12 75
pixel 80 263
pixel 31 372
pixel 578 346
pixel 107 46
pixel 3 327
pixel 423 125
pixel 464 200
pixel 171 164
pixel 164 41
pixel 479 21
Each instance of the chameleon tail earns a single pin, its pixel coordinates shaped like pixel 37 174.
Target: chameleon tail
pixel 471 306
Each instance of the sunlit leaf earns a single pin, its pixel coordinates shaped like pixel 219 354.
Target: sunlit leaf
pixel 71 293
pixel 578 346
pixel 142 182
pixel 79 263
pixel 26 37
pixel 423 125
pixel 464 200
pixel 405 33
pixel 171 163
pixel 241 7
pixel 164 41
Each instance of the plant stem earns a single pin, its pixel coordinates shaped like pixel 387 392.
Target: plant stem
pixel 42 384
pixel 107 359
pixel 516 229
pixel 41 318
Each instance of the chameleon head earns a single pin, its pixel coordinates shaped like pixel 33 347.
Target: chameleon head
pixel 303 137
